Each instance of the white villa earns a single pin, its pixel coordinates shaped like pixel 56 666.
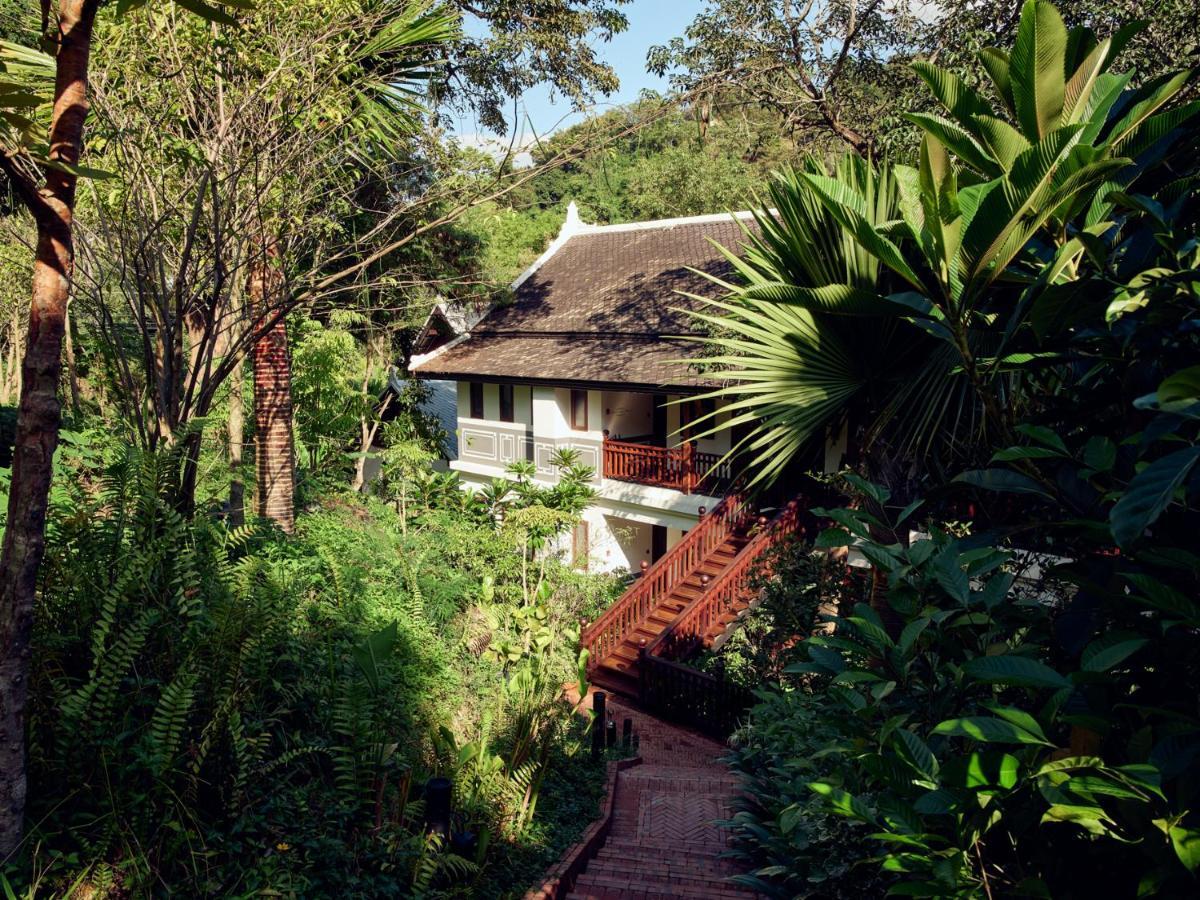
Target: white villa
pixel 588 356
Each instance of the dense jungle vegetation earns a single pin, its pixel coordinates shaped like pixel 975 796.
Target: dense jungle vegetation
pixel 232 659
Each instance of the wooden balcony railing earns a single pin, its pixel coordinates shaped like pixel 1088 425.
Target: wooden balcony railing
pixel 682 468
pixel 604 635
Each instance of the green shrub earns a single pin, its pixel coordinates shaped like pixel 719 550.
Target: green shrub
pixel 230 712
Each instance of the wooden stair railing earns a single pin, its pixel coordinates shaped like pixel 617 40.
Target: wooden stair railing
pixel 686 694
pixel 696 623
pixel 604 635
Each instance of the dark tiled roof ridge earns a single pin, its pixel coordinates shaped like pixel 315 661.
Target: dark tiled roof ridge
pixel 610 305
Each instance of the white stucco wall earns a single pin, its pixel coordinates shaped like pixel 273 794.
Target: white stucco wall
pixel 616 544
pixel 627 415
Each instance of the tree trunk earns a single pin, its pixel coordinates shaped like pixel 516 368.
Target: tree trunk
pixel 72 369
pixel 39 413
pixel 237 439
pixel 274 451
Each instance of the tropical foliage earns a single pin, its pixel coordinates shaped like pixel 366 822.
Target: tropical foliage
pixel 993 205
pixel 1009 709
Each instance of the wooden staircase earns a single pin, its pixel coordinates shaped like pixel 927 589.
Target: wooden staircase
pixel 619 670
pixel 686 600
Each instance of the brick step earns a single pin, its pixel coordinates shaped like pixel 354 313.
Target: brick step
pixel 598 885
pixel 657 850
pixel 683 781
pixel 664 869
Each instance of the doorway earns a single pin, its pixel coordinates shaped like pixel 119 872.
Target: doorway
pixel 660 420
pixel 658 542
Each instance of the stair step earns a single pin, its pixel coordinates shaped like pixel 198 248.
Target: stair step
pixel 615 681
pixel 663 868
pixel 646 890
pixel 652 848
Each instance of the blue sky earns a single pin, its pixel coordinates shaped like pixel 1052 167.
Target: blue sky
pixel 651 22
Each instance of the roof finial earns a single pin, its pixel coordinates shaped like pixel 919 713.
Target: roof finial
pixel 573 222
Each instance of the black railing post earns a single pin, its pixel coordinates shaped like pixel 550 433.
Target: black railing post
pixel 598 704
pixel 437 806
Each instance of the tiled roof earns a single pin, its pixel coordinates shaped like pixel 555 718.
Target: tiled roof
pixel 603 308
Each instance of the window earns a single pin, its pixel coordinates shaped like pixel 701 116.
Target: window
pixel 579 411
pixel 476 400
pixel 506 403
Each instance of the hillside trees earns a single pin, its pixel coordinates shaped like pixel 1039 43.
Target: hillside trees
pixel 838 72
pixel 44 177
pixel 507 48
pixel 829 70
pixel 308 180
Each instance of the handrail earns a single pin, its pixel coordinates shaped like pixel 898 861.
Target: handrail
pixel 695 621
pixel 682 468
pixel 704 701
pixel 633 607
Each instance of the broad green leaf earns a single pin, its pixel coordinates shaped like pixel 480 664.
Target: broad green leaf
pixel 842 802
pixel 1018 717
pixel 990 769
pixel 1002 481
pixel 960 100
pixel 876 492
pixel 999 68
pixel 956 139
pixel 1015 453
pixel 987 730
pixel 936 803
pixel 1037 68
pixel 1109 650
pixel 1091 785
pixel 914 751
pixel 834 537
pixel 1017 671
pixel 912 631
pixel 1150 492
pixel 1091 818
pixel 1186 842
pixel 1044 436
pixel 1180 390
pixel 1068 764
pixel 1003 142
pixel 1164 597
pixel 1100 453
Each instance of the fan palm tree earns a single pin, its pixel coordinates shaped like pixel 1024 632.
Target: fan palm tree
pixel 812 337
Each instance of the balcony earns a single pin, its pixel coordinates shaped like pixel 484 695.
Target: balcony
pixel 681 468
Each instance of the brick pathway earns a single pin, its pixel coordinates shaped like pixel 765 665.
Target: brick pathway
pixel 664 843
